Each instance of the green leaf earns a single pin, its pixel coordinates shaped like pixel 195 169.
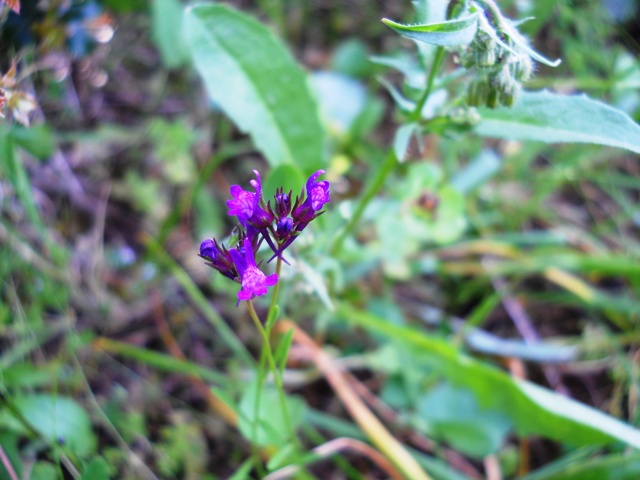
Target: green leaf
pixel 166 31
pixel 45 471
pixel 265 425
pixel 449 33
pixel 289 177
pixel 98 469
pixel 18 176
pixel 282 351
pixel 611 467
pixel 256 81
pixel 244 471
pixel 453 415
pixel 282 457
pixel 58 419
pixel 553 118
pixel 531 409
pixel 37 140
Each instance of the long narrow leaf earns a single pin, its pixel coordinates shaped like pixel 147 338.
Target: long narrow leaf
pixel 532 409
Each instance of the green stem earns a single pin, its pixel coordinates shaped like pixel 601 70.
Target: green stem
pixel 387 167
pixel 266 345
pixel 435 66
pixel 390 161
pixel 274 298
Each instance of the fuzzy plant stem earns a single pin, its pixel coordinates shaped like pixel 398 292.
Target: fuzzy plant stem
pixel 268 354
pixel 390 161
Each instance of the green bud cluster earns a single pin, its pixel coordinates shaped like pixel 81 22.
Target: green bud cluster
pixel 499 58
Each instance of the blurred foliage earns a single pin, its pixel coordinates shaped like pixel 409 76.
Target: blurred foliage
pixel 485 305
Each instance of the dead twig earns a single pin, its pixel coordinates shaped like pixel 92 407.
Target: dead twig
pixel 369 423
pixel 340 445
pixel 7 464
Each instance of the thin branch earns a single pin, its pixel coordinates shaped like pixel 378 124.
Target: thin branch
pixel 340 445
pixel 7 464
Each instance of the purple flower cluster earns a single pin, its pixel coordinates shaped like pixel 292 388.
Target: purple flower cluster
pixel 279 226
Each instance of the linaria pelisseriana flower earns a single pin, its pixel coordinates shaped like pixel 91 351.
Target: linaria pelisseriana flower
pixel 304 210
pixel 219 258
pixel 246 205
pixel 278 226
pixel 254 282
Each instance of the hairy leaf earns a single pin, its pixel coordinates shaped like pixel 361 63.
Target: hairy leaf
pixel 256 81
pixel 449 33
pixel 553 118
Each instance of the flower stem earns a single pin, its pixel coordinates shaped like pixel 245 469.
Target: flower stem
pixel 266 346
pixel 435 66
pixel 390 161
pixel 383 172
pixel 271 315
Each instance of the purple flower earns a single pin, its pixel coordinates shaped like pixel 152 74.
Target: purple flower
pixel 302 213
pixel 219 258
pixel 284 227
pixel 246 205
pixel 282 203
pixel 317 196
pixel 208 249
pixel 317 192
pixel 254 282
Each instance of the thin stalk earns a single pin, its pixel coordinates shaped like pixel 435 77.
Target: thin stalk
pixel 266 345
pixel 435 66
pixel 390 161
pixel 387 167
pixel 262 374
pixel 274 298
pixel 7 464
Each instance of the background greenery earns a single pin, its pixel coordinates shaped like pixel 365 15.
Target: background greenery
pixel 486 305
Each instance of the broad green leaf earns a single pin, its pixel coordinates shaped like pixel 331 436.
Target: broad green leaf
pixel 453 415
pixel 166 22
pixel 553 118
pixel 531 409
pixel 256 81
pixel 45 471
pixel 58 419
pixel 289 177
pixel 37 140
pixel 449 33
pixel 262 420
pixel 98 469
